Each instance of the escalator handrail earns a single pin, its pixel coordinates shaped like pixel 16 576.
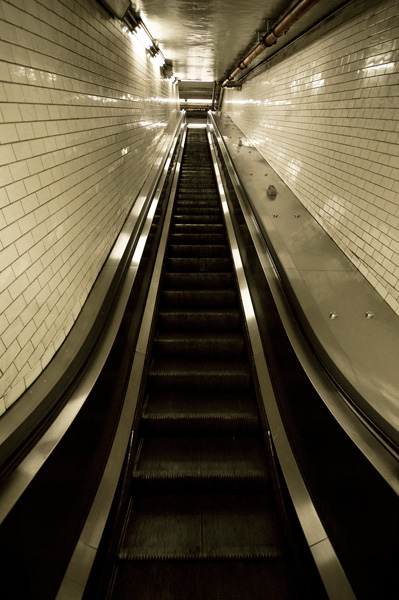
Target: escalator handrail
pixel 320 546
pixel 367 438
pixel 84 554
pixel 47 409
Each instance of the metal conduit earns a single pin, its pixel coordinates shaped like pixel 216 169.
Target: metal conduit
pixel 271 37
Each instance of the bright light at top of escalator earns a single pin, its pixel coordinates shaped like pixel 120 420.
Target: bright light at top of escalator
pixel 196 100
pixel 143 37
pixel 158 58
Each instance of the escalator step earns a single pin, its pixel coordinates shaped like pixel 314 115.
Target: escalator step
pixel 199 345
pixel 197 186
pixel 200 157
pixel 198 265
pixel 202 526
pixel 204 299
pixel 207 228
pixel 204 175
pixel 198 281
pixel 257 579
pixel 200 413
pixel 216 321
pixel 191 170
pixel 199 376
pixel 197 218
pixel 229 461
pixel 193 201
pixel 186 197
pixel 194 209
pixel 198 238
pixel 203 250
pixel 185 191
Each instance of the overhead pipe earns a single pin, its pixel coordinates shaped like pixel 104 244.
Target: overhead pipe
pixel 272 36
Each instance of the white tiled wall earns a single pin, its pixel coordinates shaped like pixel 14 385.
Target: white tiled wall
pixel 325 113
pixel 82 112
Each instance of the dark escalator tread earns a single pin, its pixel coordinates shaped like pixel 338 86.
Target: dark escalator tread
pixel 182 405
pixel 197 168
pixel 200 320
pixel 198 213
pixel 204 179
pixel 257 579
pixel 208 228
pixel 204 238
pixel 202 526
pixel 203 250
pixel 200 345
pixel 192 413
pixel 184 217
pixel 198 281
pixel 198 298
pixel 193 198
pixel 198 264
pixel 179 376
pixel 202 457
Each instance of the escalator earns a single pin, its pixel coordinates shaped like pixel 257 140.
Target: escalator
pixel 202 515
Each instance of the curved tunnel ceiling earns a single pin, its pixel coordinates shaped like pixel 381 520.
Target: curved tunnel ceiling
pixel 205 39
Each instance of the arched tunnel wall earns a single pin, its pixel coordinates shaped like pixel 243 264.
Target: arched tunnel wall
pixel 83 111
pixel 324 112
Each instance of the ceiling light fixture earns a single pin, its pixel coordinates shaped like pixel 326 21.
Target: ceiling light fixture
pixel 197 80
pixel 143 37
pixel 137 28
pixel 158 57
pixel 196 100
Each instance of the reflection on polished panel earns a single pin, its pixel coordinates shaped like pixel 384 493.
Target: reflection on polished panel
pixel 119 248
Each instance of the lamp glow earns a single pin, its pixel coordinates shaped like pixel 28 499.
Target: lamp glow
pixel 159 59
pixel 143 37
